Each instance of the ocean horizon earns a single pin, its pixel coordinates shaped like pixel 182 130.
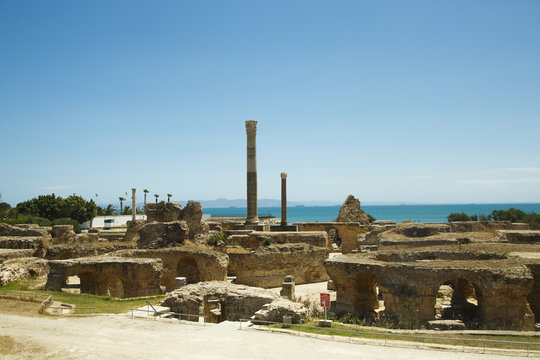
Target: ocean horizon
pixel 420 213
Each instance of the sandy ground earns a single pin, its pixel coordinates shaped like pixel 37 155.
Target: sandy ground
pixel 120 337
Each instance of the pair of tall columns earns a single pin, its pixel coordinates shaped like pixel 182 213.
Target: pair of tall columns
pixel 252 214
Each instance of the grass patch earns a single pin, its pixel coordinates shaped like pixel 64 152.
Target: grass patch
pixel 431 338
pixel 102 304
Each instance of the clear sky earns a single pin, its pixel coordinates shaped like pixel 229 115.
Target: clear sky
pixel 392 101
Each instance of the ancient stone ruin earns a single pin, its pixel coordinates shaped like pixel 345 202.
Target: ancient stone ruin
pixel 109 276
pixel 406 283
pixel 268 265
pixel 350 211
pixel 221 301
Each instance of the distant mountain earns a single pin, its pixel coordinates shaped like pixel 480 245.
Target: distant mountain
pixel 240 203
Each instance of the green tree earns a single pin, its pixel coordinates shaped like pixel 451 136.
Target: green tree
pixel 108 211
pixel 122 199
pixel 461 217
pixel 157 197
pixel 169 196
pixel 52 207
pixel 145 192
pixel 127 210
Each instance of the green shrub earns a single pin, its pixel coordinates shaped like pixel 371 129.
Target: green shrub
pixel 68 221
pixel 461 217
pixel 216 239
pixel 267 241
pixel 28 219
pixel 516 215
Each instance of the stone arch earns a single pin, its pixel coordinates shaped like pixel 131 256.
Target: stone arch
pixel 458 299
pixel 366 301
pixel 333 236
pixel 187 267
pixel 114 287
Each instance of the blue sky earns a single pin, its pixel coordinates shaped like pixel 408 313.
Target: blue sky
pixel 393 101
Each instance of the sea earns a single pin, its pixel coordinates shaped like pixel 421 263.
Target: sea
pixel 397 213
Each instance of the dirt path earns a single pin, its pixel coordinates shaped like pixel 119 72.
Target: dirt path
pixel 119 337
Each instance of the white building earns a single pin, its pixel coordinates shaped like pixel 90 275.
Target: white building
pixel 110 221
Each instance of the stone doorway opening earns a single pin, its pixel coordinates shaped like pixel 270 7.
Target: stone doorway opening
pixel 368 303
pixel 457 300
pixel 115 287
pixel 72 285
pixel 187 267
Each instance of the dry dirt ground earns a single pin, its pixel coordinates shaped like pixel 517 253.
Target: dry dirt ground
pixel 120 337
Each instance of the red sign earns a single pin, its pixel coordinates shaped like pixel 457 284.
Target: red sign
pixel 325 300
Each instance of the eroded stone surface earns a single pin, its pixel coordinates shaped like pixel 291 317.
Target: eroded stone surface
pixel 267 266
pixel 22 268
pixel 350 211
pixel 163 212
pixel 222 301
pixel 63 234
pixel 71 251
pixel 410 283
pixel 192 215
pixel 132 232
pixel 476 226
pixel 109 276
pixel 519 236
pixel 194 262
pixel 256 239
pixel 156 235
pixel 341 234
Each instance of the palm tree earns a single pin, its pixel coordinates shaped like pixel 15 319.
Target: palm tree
pixel 156 196
pixel 109 210
pixel 169 196
pixel 145 192
pixel 122 199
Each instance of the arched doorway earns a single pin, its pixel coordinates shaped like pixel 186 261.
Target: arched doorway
pixel 368 296
pixel 187 267
pixel 115 287
pixel 457 300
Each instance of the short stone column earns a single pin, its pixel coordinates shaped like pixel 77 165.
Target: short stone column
pixel 251 131
pixel 133 205
pixel 287 288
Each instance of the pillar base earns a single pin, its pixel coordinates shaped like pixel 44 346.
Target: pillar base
pixel 283 228
pixel 253 227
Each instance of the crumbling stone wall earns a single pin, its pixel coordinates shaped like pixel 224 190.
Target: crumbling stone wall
pixel 343 234
pixel 350 211
pixel 195 262
pixel 267 266
pixel 519 236
pixel 109 276
pixel 222 301
pixel 166 212
pixel 71 251
pixel 260 238
pixel 477 226
pixel 502 287
pixel 22 268
pixel 155 235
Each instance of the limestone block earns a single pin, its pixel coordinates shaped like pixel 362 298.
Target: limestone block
pixel 350 211
pixel 266 266
pixel 156 235
pixel 163 212
pixel 63 234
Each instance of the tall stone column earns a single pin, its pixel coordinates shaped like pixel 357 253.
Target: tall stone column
pixel 251 131
pixel 133 205
pixel 283 199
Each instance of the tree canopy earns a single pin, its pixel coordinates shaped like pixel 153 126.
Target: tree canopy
pixel 53 207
